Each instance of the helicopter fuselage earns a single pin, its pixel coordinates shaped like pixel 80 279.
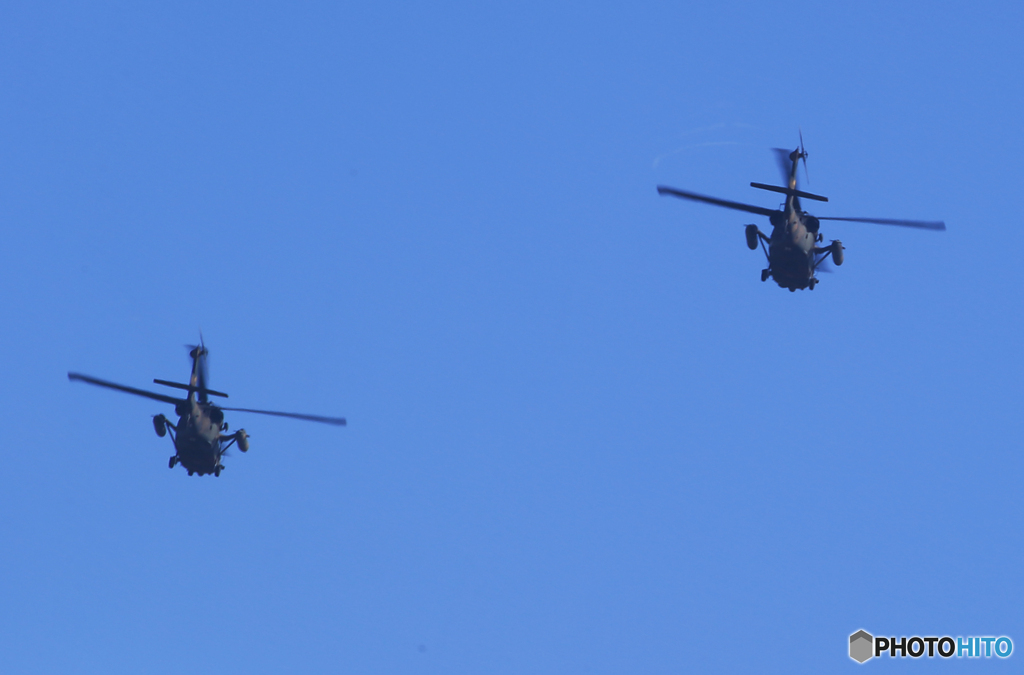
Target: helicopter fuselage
pixel 197 438
pixel 792 252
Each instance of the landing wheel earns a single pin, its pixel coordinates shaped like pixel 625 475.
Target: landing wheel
pixel 190 472
pixel 216 472
pixel 174 460
pixel 812 283
pixel 765 274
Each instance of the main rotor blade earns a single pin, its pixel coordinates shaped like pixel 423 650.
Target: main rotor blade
pixel 337 421
pixel 120 387
pixel 662 190
pixel 922 224
pixel 785 163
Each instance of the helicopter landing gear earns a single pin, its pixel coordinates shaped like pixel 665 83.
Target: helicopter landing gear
pixel 812 283
pixel 765 274
pixel 190 472
pixel 174 460
pixel 216 472
pixel 160 425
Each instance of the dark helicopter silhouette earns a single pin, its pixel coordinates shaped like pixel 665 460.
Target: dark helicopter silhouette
pixel 793 252
pixel 199 441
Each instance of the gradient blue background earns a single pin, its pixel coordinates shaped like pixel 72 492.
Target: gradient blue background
pixel 584 437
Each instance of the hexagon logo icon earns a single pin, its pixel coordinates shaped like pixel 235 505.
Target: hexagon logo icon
pixel 861 646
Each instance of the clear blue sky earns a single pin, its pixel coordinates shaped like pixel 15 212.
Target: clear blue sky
pixel 583 436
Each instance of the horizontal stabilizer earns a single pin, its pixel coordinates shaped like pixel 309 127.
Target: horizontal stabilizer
pixel 200 390
pixel 787 191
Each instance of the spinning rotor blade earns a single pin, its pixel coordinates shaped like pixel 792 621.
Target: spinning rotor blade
pixel 803 156
pixel 337 421
pixel 203 371
pixel 761 211
pixel 120 387
pixel 782 157
pixel 922 224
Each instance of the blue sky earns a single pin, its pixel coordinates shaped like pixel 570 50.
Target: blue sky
pixel 583 436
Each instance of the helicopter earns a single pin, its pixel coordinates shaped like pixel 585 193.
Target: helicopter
pixel 793 252
pixel 199 437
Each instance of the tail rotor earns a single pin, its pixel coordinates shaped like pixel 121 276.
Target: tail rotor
pixel 785 159
pixel 199 355
pixel 803 156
